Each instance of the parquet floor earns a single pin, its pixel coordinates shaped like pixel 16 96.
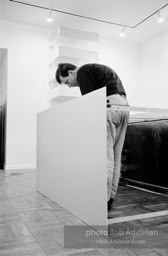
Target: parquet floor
pixel 33 225
pixel 132 201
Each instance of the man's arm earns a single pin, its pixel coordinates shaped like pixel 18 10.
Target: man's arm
pixel 86 82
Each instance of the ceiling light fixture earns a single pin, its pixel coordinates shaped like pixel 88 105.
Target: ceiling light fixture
pixel 122 34
pixel 160 18
pixel 49 18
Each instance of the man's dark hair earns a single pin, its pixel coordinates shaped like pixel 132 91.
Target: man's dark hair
pixel 62 70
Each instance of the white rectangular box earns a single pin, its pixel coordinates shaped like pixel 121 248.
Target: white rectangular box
pixel 71 156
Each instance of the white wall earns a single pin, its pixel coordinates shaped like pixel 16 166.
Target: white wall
pixel 124 58
pixel 27 89
pixel 153 90
pixel 142 70
pixel 28 58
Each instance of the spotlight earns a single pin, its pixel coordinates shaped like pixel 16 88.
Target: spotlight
pixel 122 34
pixel 160 18
pixel 49 18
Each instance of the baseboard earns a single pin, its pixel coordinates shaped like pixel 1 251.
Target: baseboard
pixel 19 167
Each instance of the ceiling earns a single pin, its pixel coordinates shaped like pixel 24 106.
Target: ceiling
pixel 124 12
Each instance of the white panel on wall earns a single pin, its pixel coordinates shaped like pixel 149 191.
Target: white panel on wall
pixel 74 36
pixel 79 34
pixel 78 53
pixel 71 46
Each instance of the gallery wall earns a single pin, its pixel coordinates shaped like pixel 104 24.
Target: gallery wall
pixel 142 69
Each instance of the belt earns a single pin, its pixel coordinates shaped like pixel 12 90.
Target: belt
pixel 110 100
pixel 119 107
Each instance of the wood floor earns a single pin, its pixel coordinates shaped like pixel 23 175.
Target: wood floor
pixel 33 225
pixel 132 201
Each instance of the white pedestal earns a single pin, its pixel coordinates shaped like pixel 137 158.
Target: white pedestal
pixel 71 156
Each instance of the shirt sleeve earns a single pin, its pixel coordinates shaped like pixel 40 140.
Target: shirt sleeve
pixel 86 82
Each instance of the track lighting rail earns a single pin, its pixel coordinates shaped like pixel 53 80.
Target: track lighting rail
pixel 90 18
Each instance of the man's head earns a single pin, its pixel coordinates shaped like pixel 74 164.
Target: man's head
pixel 67 73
